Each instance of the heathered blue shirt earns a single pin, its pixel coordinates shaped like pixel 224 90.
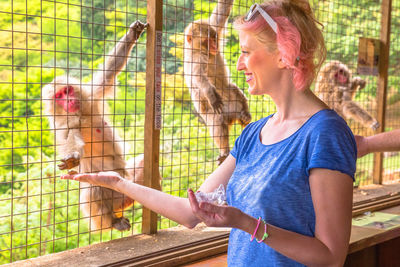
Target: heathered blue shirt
pixel 272 181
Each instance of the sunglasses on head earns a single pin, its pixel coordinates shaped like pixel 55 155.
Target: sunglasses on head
pixel 257 8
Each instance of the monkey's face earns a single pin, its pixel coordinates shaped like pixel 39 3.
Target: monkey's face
pixel 337 73
pixel 203 37
pixel 341 76
pixel 67 98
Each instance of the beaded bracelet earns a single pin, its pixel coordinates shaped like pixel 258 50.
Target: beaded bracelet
pixel 265 233
pixel 255 230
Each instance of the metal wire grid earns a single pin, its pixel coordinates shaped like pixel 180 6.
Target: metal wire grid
pixel 344 23
pixel 41 40
pixel 187 152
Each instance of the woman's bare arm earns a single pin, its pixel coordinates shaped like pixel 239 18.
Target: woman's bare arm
pixel 388 141
pixel 332 194
pixel 175 208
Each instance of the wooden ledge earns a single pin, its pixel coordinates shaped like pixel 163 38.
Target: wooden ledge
pixel 363 237
pixel 179 245
pixel 176 245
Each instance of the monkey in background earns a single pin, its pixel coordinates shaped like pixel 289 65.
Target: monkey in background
pixel 337 88
pixel 217 100
pixel 77 113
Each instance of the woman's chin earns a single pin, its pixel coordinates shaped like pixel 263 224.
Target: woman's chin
pixel 253 90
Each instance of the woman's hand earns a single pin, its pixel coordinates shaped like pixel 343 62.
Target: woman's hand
pixel 103 179
pixel 215 215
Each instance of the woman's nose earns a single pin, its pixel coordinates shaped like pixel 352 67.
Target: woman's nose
pixel 240 65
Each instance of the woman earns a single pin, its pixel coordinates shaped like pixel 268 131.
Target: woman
pixel 289 176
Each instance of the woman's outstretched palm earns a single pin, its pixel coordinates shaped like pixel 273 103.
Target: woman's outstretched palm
pixel 103 179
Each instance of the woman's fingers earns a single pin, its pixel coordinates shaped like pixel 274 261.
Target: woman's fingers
pixel 207 212
pixel 193 201
pixel 68 176
pixel 201 214
pixel 81 177
pixel 211 207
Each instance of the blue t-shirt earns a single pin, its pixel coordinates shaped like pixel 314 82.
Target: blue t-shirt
pixel 272 181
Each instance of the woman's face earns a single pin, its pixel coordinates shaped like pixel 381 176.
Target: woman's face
pixel 260 66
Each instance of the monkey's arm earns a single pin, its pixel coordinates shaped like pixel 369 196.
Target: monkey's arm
pixel 71 150
pixel 207 89
pixel 357 83
pixel 354 111
pixel 116 60
pixel 220 15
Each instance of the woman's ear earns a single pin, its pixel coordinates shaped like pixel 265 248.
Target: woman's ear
pixel 281 63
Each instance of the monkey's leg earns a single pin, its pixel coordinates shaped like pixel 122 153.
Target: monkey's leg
pixel 72 150
pixel 135 169
pixel 101 205
pixel 238 105
pixel 202 87
pixel 219 130
pixel 354 111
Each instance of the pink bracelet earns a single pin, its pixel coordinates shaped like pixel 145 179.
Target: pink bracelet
pixel 255 230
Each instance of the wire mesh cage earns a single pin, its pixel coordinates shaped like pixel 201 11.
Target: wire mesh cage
pixel 344 24
pixel 41 40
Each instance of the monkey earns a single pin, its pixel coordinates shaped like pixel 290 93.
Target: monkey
pixel 77 114
pixel 337 88
pixel 218 101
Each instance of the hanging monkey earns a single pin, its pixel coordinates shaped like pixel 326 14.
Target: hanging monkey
pixel 337 88
pixel 85 138
pixel 217 100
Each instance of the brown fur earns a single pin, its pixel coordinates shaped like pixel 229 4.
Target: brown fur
pixel 87 139
pixel 218 101
pixel 337 88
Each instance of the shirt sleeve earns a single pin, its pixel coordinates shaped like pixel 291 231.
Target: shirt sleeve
pixel 333 147
pixel 237 147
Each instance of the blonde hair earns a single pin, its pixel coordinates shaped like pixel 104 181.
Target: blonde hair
pixel 298 39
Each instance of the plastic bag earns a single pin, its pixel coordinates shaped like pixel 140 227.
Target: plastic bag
pixel 218 196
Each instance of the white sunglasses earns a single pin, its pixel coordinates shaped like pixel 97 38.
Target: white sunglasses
pixel 256 7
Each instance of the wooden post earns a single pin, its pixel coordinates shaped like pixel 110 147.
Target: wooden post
pixel 386 10
pixel 152 124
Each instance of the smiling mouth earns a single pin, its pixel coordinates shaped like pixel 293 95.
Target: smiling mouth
pixel 249 77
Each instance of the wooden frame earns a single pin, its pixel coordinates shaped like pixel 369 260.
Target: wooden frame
pixel 386 9
pixel 152 131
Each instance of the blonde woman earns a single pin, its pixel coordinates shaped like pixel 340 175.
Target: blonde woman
pixel 289 177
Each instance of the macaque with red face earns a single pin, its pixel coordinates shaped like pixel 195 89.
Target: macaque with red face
pixel 84 138
pixel 217 100
pixel 337 88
